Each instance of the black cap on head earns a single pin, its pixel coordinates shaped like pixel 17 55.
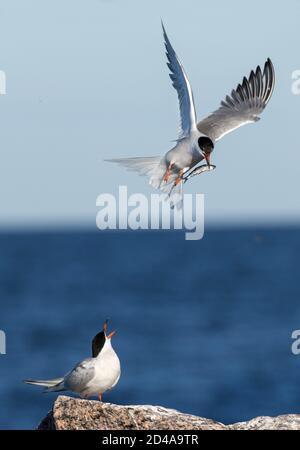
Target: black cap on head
pixel 206 144
pixel 98 343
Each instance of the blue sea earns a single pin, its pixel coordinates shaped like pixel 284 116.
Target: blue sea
pixel 202 326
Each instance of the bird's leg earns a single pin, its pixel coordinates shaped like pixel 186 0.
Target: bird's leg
pixel 178 180
pixel 100 397
pixel 168 172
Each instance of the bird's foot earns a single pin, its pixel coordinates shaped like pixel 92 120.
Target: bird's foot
pixel 178 180
pixel 100 397
pixel 168 172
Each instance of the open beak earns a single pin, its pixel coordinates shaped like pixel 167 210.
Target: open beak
pixel 105 330
pixel 111 334
pixel 105 326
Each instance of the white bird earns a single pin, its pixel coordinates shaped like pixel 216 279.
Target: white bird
pixel 93 376
pixel 196 141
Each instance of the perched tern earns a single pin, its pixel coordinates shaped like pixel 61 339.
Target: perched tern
pixel 93 376
pixel 196 141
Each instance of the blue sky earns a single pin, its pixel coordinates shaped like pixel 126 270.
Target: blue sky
pixel 87 80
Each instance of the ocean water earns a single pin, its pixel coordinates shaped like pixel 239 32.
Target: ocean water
pixel 204 327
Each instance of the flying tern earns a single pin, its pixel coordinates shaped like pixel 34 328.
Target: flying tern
pixel 197 140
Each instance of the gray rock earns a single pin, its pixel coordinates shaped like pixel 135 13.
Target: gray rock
pixel 74 414
pixel 286 422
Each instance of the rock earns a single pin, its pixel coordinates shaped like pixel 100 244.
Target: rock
pixel 287 422
pixel 74 414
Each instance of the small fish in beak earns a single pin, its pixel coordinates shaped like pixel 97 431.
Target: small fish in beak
pixel 199 170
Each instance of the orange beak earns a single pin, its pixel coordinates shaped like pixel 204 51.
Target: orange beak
pixel 105 326
pixel 105 330
pixel 111 334
pixel 207 157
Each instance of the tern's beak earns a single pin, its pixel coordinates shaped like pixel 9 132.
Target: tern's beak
pixel 105 326
pixel 207 158
pixel 111 334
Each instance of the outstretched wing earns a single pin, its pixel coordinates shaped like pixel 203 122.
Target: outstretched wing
pixel 183 88
pixel 243 105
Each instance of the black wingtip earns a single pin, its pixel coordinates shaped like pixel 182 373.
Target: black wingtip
pixel 269 74
pixel 270 65
pixel 166 39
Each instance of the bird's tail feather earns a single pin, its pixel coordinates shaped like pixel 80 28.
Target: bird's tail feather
pixel 143 165
pixel 51 385
pixel 155 168
pixel 152 166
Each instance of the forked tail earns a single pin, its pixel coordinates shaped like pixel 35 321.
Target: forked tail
pixel 144 165
pixel 154 167
pixel 51 385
